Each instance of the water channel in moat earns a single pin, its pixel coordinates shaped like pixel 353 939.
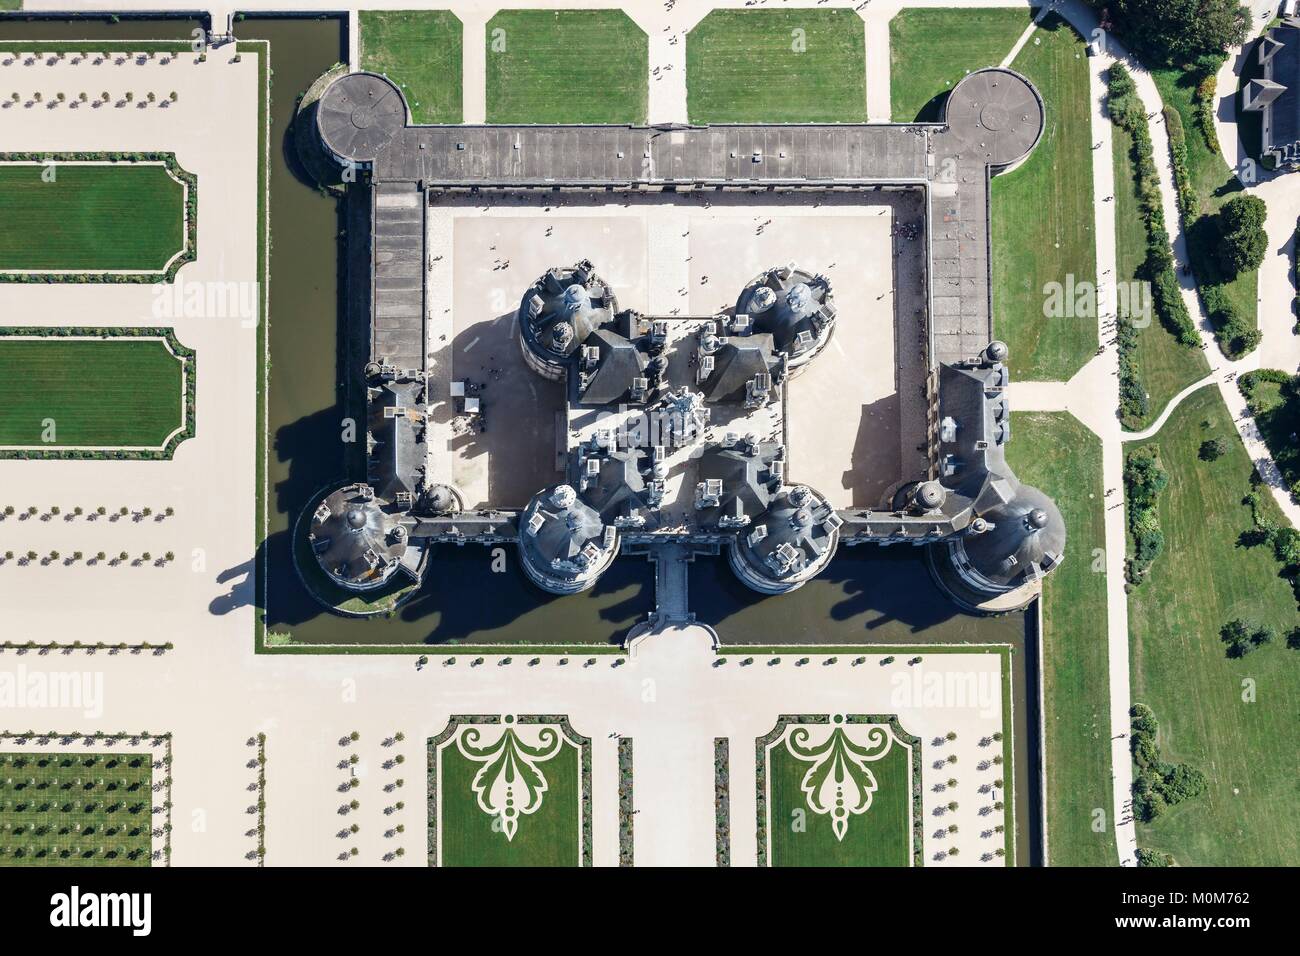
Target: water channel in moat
pixel 867 596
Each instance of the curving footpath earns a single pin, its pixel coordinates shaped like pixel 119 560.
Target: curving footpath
pixel 1170 408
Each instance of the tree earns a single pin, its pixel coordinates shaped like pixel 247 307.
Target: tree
pixel 1243 242
pixel 1153 858
pixel 1286 545
pixel 1212 449
pixel 1238 635
pixel 1179 32
pixel 1235 334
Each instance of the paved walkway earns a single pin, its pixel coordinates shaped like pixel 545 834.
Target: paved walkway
pixel 879 107
pixel 1024 37
pixel 1169 409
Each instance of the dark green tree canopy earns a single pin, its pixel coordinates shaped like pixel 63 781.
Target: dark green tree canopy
pixel 1178 32
pixel 1244 242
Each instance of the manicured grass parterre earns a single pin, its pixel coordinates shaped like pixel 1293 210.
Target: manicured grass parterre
pixel 420 50
pixel 1214 183
pixel 1233 719
pixel 1042 216
pixel 118 392
pixel 930 51
pixel 566 66
pixel 539 758
pixel 75 809
pixel 777 66
pixel 1055 452
pixel 793 833
pixel 90 218
pixel 1164 366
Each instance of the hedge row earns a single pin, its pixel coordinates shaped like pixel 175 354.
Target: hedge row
pixel 1204 100
pixel 1189 203
pixel 188 254
pixel 1144 479
pixel 1157 784
pixel 183 352
pixel 721 801
pixel 626 807
pixel 1133 403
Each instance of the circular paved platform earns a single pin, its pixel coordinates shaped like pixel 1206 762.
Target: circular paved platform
pixel 995 114
pixel 358 114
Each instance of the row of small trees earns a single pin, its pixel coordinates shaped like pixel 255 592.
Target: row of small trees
pixel 31 511
pixel 122 557
pixel 83 97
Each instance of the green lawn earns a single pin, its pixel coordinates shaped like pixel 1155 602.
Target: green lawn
pixel 777 66
pixel 1203 579
pixel 880 836
pixel 566 66
pixel 1165 366
pixel 119 392
pixel 1042 212
pixel 931 50
pixel 123 217
pixel 551 836
pixel 420 50
pixel 1055 452
pixel 75 809
pixel 1215 184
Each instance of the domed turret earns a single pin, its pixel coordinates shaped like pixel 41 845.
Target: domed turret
pixel 563 543
pixel 557 314
pixel 440 499
pixel 788 544
pixel 795 308
pixel 1010 545
pixel 356 542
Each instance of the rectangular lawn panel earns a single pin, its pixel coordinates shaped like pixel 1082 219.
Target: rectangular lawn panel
pixel 99 393
pixel 91 218
pixel 1042 216
pixel 76 809
pixel 1055 452
pixel 566 66
pixel 420 50
pixel 1206 575
pixel 930 51
pixel 777 66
